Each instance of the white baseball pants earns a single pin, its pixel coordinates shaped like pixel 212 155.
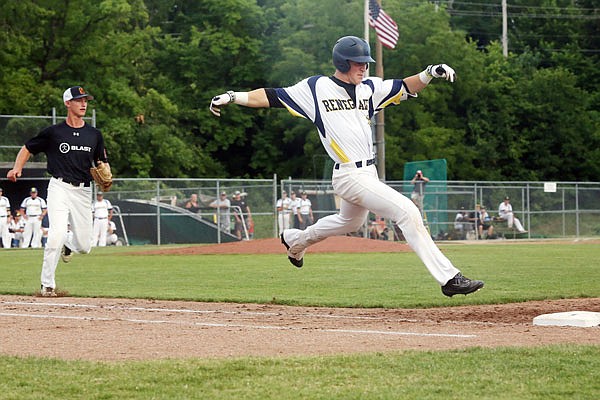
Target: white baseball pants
pixel 67 204
pixel 6 238
pixel 511 219
pixel 100 231
pixel 283 220
pixel 361 191
pixel 32 232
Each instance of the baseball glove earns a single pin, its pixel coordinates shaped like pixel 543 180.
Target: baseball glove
pixel 102 176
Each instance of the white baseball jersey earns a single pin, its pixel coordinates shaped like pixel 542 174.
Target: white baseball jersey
pixel 332 104
pixel 294 204
pixel 4 206
pixel 34 207
pixel 101 208
pixel 305 205
pixel 285 205
pixel 504 209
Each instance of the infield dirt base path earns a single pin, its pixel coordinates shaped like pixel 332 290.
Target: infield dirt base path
pixel 125 329
pixel 114 329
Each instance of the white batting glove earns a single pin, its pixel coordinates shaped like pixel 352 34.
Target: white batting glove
pixel 441 71
pixel 221 100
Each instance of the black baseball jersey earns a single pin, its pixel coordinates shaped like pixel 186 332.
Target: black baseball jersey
pixel 71 152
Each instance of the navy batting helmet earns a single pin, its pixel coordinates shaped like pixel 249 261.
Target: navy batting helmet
pixel 350 48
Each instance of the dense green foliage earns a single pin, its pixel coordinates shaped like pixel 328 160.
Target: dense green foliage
pixel 153 66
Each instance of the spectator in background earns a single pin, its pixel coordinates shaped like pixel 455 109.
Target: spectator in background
pixel 305 214
pixel 192 204
pixel 33 210
pixel 460 222
pixel 223 215
pixel 487 226
pixel 284 212
pixel 418 193
pixel 4 220
pixel 505 212
pixel 242 215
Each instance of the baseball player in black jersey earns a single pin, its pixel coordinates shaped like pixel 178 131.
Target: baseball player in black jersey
pixel 72 148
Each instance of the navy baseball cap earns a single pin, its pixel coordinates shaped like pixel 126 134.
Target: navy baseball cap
pixel 76 92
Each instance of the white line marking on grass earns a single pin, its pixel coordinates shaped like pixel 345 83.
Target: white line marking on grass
pixel 223 325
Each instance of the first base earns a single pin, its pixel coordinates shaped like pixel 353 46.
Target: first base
pixel 582 319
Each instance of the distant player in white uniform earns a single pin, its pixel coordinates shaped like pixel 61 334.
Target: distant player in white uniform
pixel 71 147
pixel 16 228
pixel 284 211
pixel 341 107
pixel 33 209
pixel 111 234
pixel 5 220
pixel 103 210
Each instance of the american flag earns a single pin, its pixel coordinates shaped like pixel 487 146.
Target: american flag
pixel 386 28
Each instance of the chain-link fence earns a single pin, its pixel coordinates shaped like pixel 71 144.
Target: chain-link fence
pixel 156 211
pixel 546 209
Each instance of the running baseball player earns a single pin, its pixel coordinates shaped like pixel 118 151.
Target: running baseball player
pixel 341 107
pixel 5 220
pixel 72 148
pixel 33 209
pixel 102 210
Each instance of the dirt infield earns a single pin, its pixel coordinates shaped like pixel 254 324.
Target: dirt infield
pixel 124 329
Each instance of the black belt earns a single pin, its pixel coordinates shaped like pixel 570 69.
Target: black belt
pixel 359 164
pixel 74 183
pixel 36 215
pixel 101 218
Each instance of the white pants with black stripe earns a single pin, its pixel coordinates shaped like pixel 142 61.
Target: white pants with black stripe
pixel 362 191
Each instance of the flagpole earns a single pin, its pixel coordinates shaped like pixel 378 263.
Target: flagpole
pixel 366 28
pixel 379 119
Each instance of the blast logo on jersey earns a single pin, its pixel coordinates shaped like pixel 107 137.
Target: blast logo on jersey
pixel 66 147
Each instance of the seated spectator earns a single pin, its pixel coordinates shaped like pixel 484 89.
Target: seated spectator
pixel 459 220
pixel 487 226
pixel 505 212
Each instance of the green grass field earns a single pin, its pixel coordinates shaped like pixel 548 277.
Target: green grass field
pixel 513 273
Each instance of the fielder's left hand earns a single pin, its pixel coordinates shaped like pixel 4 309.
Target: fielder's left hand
pixel 221 100
pixel 442 71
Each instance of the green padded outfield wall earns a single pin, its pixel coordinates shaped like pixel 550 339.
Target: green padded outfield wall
pixel 436 197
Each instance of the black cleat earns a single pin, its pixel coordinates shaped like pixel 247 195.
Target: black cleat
pixel 296 263
pixel 461 285
pixel 65 254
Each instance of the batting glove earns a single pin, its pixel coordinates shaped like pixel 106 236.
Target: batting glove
pixel 221 100
pixel 441 71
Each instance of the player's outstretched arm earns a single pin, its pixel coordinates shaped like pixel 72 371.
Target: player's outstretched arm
pixel 256 99
pixel 418 82
pixel 20 161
